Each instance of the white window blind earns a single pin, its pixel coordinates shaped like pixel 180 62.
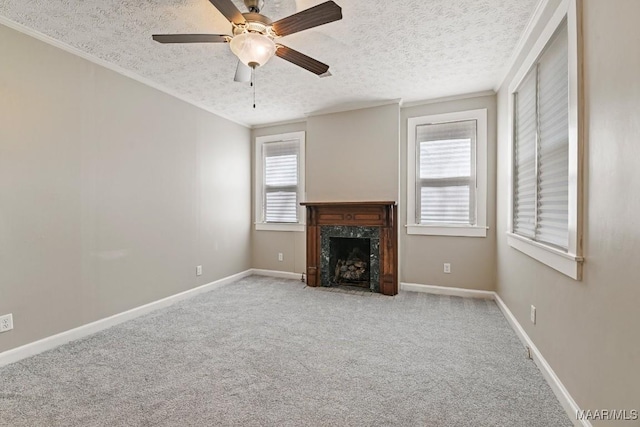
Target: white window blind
pixel 541 148
pixel 446 184
pixel 281 180
pixel 525 164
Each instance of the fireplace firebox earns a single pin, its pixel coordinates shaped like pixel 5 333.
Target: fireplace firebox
pixel 352 243
pixel 349 259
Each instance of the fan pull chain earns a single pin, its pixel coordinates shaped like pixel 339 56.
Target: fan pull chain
pixel 253 84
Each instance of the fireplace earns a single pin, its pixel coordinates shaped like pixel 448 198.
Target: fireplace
pixel 352 243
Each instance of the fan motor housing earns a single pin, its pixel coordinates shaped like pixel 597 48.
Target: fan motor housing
pixel 255 23
pixel 257 17
pixel 254 5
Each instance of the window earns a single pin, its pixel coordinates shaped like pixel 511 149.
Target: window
pixel 545 149
pixel 447 174
pixel 280 182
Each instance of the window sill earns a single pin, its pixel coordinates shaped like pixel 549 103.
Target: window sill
pixel 447 230
pixel 566 263
pixel 265 226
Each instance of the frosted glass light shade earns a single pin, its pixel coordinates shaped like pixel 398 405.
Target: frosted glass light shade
pixel 253 49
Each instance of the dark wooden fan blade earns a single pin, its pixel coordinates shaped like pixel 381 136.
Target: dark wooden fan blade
pixel 243 73
pixel 301 60
pixel 318 15
pixel 229 10
pixel 191 38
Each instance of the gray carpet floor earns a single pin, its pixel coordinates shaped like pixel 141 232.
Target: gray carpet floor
pixel 272 352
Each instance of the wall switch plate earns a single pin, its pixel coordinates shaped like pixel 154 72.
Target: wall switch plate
pixel 6 322
pixel 533 314
pixel 280 256
pixel 199 270
pixel 447 267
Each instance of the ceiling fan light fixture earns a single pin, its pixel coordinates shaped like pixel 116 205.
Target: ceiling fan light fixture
pixel 254 34
pixel 253 49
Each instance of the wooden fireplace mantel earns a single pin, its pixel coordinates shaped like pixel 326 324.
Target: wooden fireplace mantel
pixel 380 214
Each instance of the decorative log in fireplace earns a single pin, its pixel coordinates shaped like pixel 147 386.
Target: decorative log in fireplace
pixel 374 222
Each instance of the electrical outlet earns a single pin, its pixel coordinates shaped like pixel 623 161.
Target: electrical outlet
pixel 6 322
pixel 198 270
pixel 447 267
pixel 280 256
pixel 533 314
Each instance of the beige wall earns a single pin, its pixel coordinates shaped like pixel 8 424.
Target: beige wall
pixel 472 259
pixel 353 155
pixel 111 192
pixel 588 330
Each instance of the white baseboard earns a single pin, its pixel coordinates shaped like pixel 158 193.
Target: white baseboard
pixel 444 290
pixel 276 273
pixel 36 347
pixel 570 406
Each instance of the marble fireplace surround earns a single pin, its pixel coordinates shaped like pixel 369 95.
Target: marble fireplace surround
pixel 374 220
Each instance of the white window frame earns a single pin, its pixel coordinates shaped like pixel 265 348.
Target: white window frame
pixel 260 223
pixel 570 262
pixel 456 230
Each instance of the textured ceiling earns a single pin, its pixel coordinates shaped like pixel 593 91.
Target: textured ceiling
pixel 381 49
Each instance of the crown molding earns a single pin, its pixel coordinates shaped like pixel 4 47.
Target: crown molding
pixel 489 92
pixel 526 34
pixel 354 106
pixel 108 65
pixel 281 123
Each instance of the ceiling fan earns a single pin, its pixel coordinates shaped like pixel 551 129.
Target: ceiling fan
pixel 254 35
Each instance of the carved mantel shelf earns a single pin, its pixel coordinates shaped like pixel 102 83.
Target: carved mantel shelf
pixel 378 214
